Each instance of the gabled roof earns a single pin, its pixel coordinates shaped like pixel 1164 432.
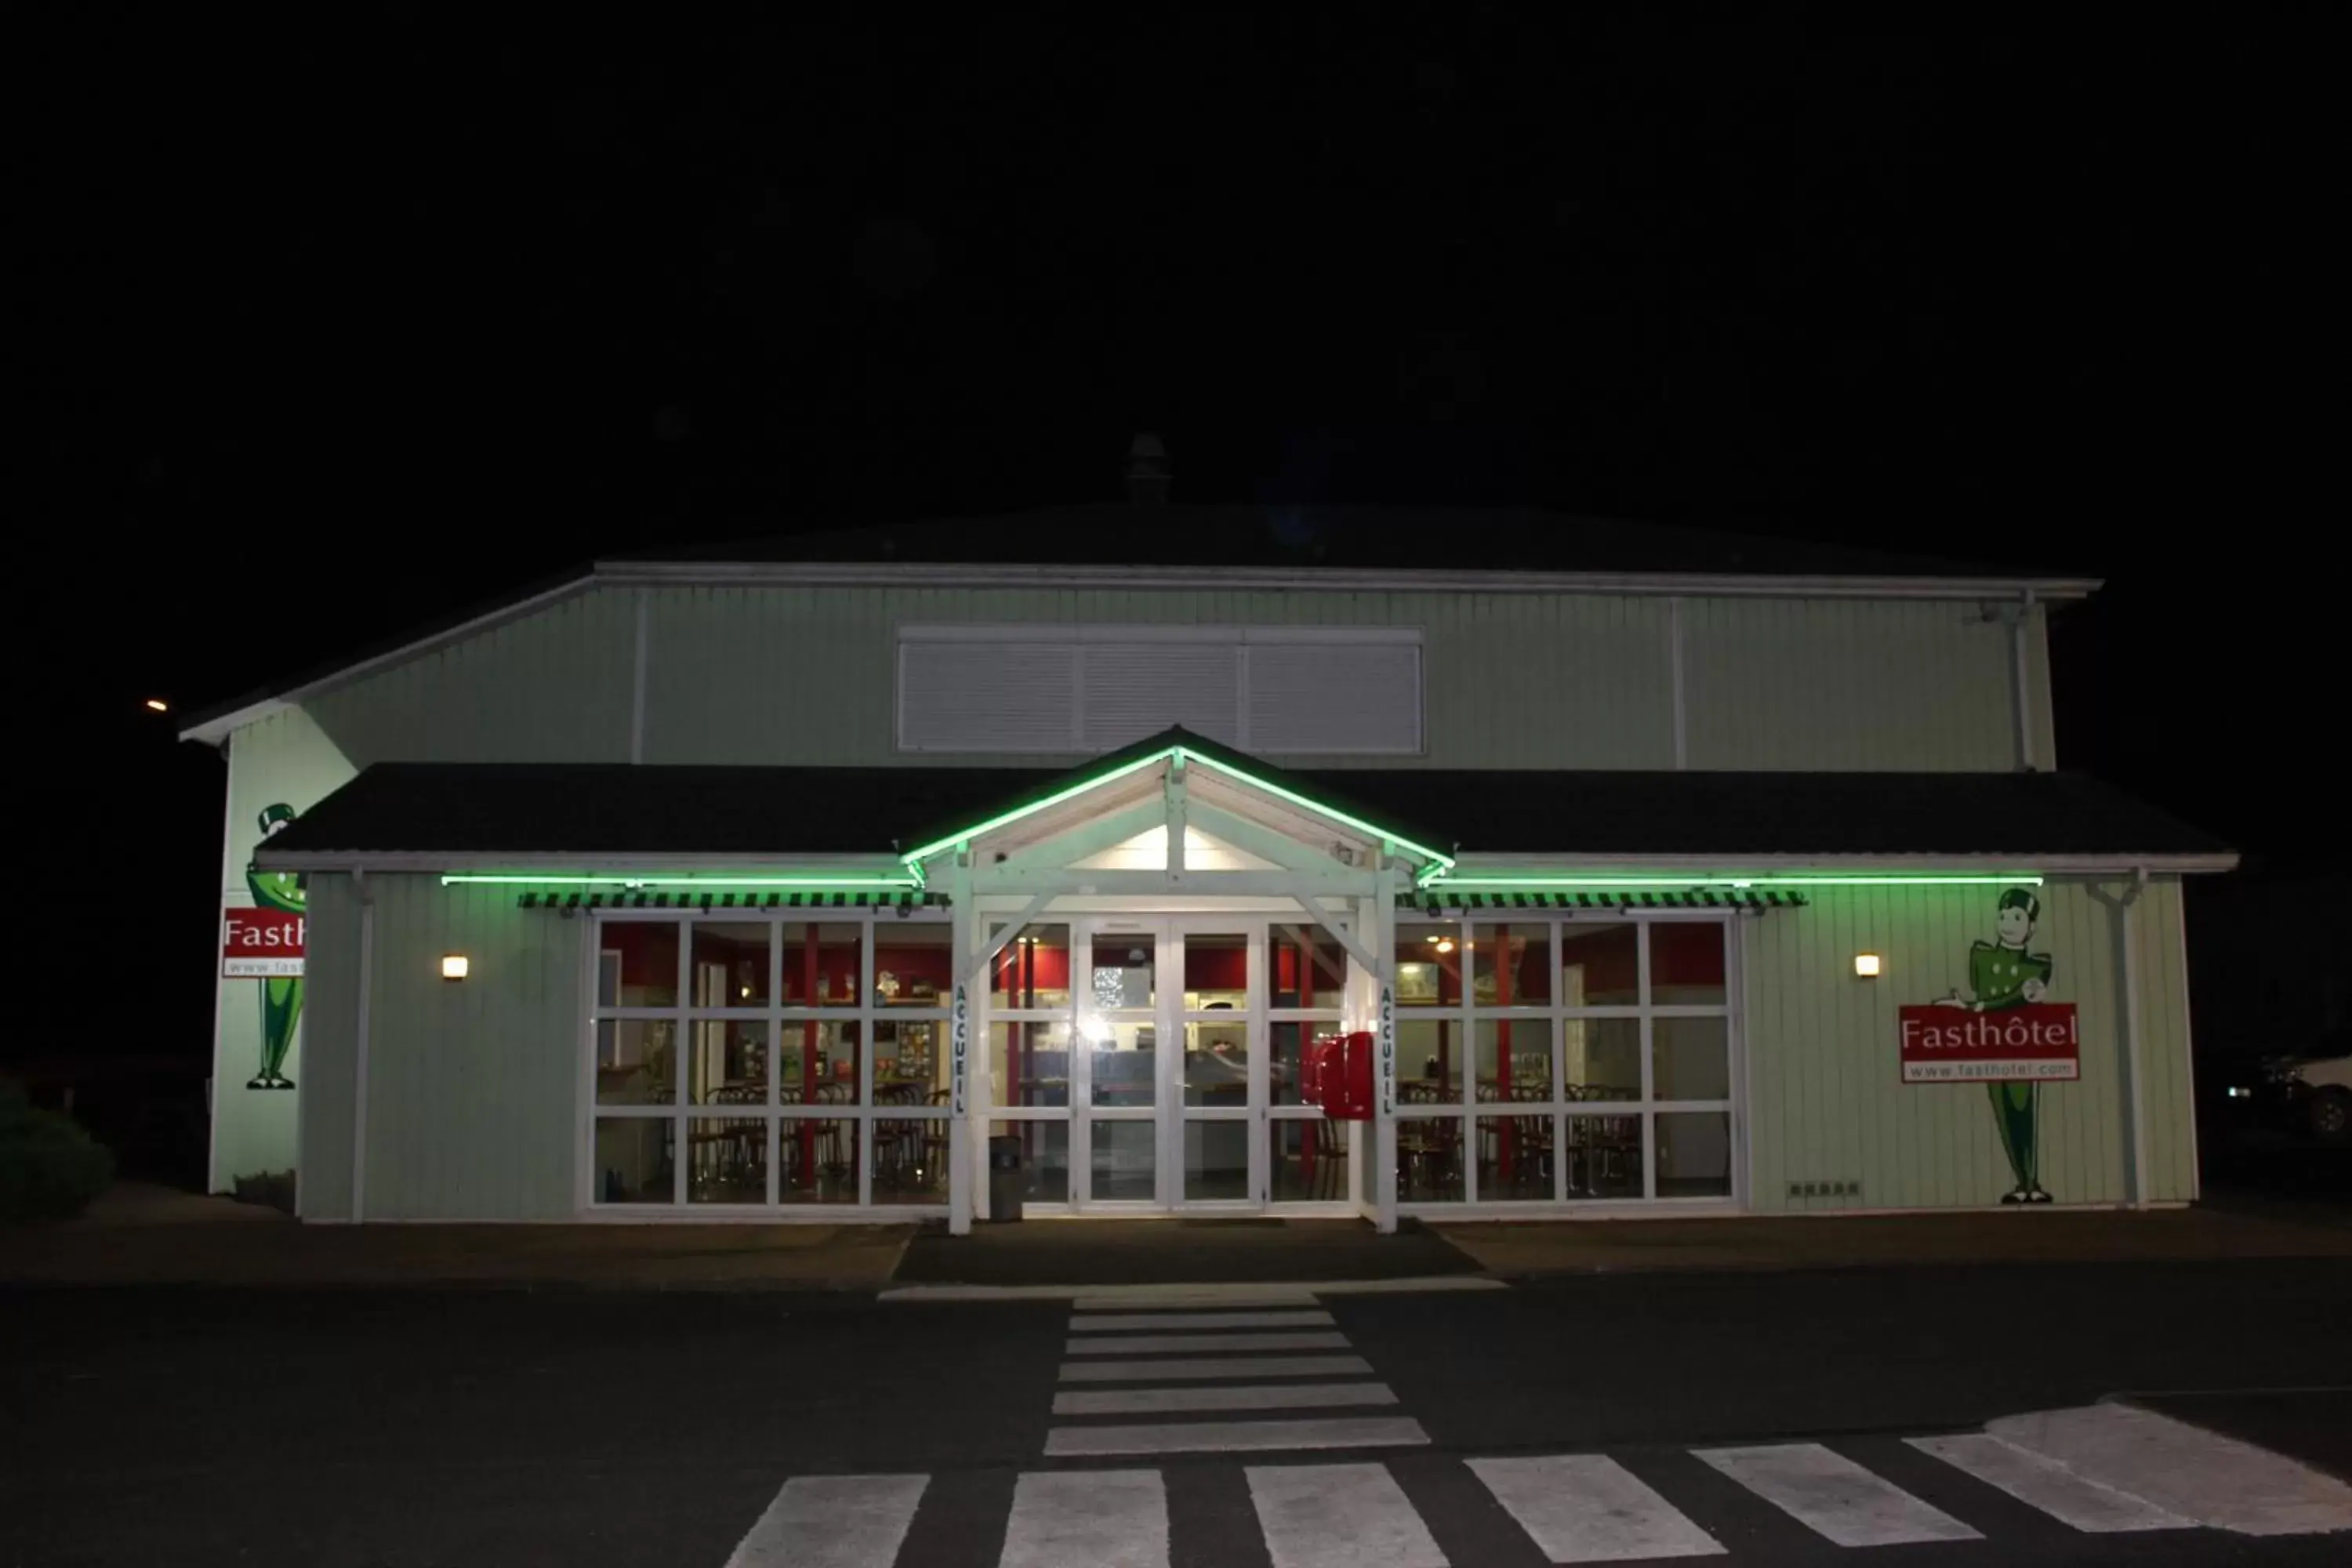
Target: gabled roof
pixel 1319 795
pixel 517 815
pixel 1380 538
pixel 1308 548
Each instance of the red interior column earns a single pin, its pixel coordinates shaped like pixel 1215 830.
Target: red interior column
pixel 1502 1051
pixel 810 960
pixel 1305 962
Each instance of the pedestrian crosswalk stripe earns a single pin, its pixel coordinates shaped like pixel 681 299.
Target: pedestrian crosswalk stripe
pixel 1235 1436
pixel 1146 1345
pixel 1127 1297
pixel 1340 1516
pixel 2057 1492
pixel 1588 1507
pixel 1573 1509
pixel 1203 1368
pixel 833 1521
pixel 1117 1519
pixel 1102 1322
pixel 1835 1497
pixel 1252 1396
pixel 2217 1481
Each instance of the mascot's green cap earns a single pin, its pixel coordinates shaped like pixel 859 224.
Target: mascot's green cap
pixel 274 817
pixel 2021 898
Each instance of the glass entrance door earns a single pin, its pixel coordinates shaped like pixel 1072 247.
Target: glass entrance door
pixel 1219 1103
pixel 1152 1063
pixel 1120 1098
pixel 1171 1090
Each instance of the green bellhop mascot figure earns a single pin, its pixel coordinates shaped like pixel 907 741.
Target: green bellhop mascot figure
pixel 281 995
pixel 2002 975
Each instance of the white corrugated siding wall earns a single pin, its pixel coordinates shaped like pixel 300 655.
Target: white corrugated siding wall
pixel 555 686
pixel 1834 684
pixel 780 675
pixel 473 1086
pixel 1826 1099
pixel 322 1083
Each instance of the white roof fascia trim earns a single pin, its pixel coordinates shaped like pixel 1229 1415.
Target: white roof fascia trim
pixel 784 862
pixel 1332 579
pixel 213 731
pixel 780 863
pixel 1472 864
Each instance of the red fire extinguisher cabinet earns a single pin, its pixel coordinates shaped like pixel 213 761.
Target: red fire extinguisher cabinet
pixel 1338 1075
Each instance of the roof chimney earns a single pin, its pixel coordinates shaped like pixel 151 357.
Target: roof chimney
pixel 1147 471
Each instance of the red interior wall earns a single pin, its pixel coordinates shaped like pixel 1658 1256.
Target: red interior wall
pixel 1610 968
pixel 913 963
pixel 642 963
pixel 1216 969
pixel 1686 953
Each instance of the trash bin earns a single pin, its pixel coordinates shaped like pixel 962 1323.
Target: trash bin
pixel 1008 1182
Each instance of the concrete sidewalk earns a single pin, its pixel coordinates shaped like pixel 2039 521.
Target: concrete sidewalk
pixel 143 1237
pixel 1519 1250
pixel 136 1236
pixel 1111 1252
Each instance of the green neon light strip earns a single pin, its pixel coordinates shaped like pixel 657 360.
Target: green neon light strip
pixel 1035 806
pixel 561 879
pixel 1181 755
pixel 1855 879
pixel 1382 834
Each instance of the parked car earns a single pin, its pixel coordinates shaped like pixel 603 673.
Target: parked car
pixel 2309 1093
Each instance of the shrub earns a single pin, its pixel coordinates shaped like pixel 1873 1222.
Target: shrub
pixel 50 1168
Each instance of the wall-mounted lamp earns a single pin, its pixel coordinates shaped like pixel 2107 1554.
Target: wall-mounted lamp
pixel 1865 965
pixel 157 705
pixel 454 965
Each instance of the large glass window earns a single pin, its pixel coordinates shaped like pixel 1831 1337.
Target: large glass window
pixel 731 963
pixel 1306 988
pixel 1032 971
pixel 744 1063
pixel 1571 1059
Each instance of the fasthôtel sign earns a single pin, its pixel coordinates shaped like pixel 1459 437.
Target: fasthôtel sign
pixel 261 943
pixel 2036 1041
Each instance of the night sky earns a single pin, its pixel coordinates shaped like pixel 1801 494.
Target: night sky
pixel 341 327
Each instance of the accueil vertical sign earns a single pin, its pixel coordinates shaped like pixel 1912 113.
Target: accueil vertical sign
pixel 959 1045
pixel 1388 1050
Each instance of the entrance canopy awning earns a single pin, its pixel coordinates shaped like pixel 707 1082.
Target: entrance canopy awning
pixel 1116 776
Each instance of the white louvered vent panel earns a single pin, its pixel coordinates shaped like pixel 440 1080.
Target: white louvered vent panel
pixel 1136 688
pixel 987 696
pixel 1307 696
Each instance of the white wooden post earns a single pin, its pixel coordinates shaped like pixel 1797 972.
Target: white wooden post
pixel 1381 933
pixel 1172 789
pixel 964 926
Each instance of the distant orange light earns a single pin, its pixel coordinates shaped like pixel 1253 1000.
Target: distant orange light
pixel 157 705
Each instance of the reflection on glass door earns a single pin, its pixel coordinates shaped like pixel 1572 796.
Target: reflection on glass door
pixel 1119 1027
pixel 1223 1079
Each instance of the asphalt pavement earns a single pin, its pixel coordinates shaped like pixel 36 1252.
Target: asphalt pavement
pixel 1762 1415
pixel 1110 1251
